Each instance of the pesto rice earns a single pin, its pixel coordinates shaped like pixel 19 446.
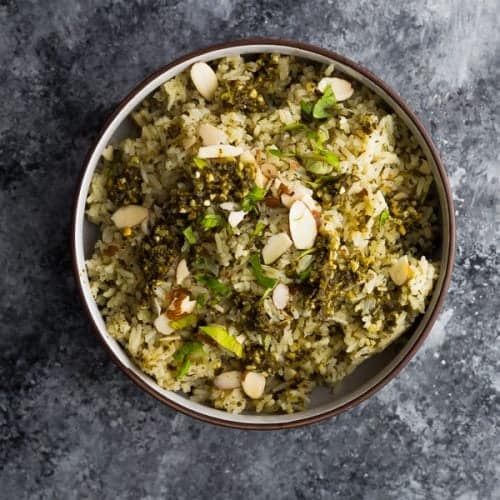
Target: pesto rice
pixel 270 226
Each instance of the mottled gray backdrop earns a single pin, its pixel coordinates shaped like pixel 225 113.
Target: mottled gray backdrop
pixel 72 426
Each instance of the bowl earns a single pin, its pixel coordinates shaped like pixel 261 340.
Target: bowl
pixel 370 376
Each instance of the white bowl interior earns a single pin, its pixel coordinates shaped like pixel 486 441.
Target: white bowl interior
pixel 367 375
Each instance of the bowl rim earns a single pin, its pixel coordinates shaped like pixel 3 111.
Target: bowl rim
pixel 277 43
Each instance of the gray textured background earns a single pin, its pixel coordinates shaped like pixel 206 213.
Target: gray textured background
pixel 72 426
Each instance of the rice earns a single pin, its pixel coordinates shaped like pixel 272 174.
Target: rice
pixel 362 283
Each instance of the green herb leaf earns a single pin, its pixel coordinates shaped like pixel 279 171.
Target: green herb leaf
pixel 318 167
pixel 182 372
pixel 331 158
pixel 384 215
pixel 186 349
pixel 324 103
pixel 280 154
pixel 306 252
pixel 185 322
pixel 250 200
pixel 306 109
pixel 201 299
pixel 258 272
pixel 200 163
pixel 304 275
pixel 259 228
pixel 210 221
pixel 190 235
pixel 223 338
pixel 214 284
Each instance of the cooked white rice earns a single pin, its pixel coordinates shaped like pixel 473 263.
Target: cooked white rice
pixel 366 281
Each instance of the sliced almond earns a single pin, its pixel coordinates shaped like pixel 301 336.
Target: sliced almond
pixel 162 324
pixel 400 271
pixel 341 88
pixel 260 178
pixel 253 384
pixel 219 151
pixel 269 170
pixel 177 306
pixel 211 135
pixel 235 218
pixel 107 153
pixel 281 294
pixel 129 216
pixel 187 305
pixel 228 380
pixel 230 206
pixel 204 79
pixel 182 272
pixel 302 226
pixel 275 247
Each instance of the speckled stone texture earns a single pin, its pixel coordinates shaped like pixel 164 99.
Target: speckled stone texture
pixel 72 426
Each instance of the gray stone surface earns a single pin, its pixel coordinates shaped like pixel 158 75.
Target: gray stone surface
pixel 72 426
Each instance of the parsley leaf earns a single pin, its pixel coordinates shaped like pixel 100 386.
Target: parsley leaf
pixel 184 322
pixel 186 349
pixel 210 221
pixel 384 215
pixel 190 235
pixel 259 228
pixel 214 284
pixel 280 154
pixel 200 163
pixel 322 105
pixel 258 272
pixel 183 370
pixel 250 200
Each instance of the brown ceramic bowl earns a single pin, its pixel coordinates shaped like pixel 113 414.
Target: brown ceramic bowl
pixel 369 377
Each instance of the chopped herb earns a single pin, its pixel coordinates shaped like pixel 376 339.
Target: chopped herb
pixel 258 272
pixel 318 167
pixel 250 200
pixel 200 163
pixel 384 215
pixel 223 338
pixel 296 126
pixel 214 284
pixel 185 322
pixel 306 252
pixel 186 349
pixel 280 154
pixel 306 109
pixel 304 274
pixel 182 356
pixel 259 228
pixel 210 221
pixel 183 370
pixel 201 299
pixel 189 235
pixel 322 105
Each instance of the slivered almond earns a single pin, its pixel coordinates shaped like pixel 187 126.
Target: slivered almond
pixel 228 380
pixel 269 170
pixel 302 226
pixel 236 217
pixel 187 305
pixel 107 153
pixel 204 79
pixel 161 323
pixel 400 271
pixel 260 178
pixel 129 216
pixel 211 135
pixel 341 88
pixel 281 294
pixel 182 272
pixel 219 151
pixel 176 309
pixel 275 247
pixel 253 384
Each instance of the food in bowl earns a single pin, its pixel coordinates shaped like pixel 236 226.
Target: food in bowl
pixel 270 226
